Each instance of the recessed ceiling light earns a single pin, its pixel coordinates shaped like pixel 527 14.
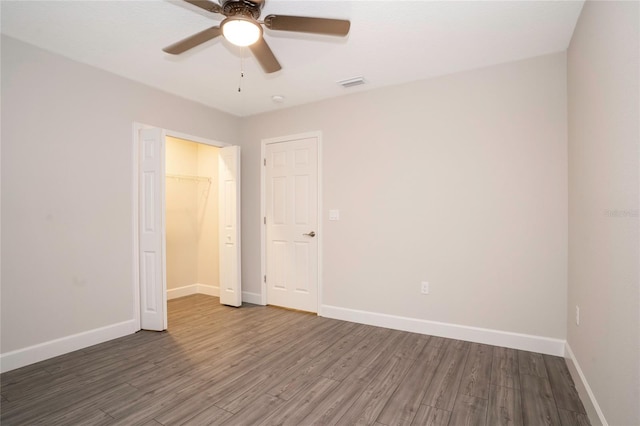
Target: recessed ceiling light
pixel 350 82
pixel 277 99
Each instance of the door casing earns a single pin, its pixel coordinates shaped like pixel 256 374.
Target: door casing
pixel 263 211
pixel 135 201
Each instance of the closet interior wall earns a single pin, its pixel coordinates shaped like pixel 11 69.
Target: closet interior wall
pixel 192 258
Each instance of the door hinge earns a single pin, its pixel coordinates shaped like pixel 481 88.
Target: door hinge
pixel 264 161
pixel 265 278
pixel 265 220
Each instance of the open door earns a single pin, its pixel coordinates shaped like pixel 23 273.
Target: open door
pixel 153 285
pixel 229 222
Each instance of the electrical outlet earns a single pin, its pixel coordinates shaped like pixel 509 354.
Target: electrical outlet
pixel 424 288
pixel 577 315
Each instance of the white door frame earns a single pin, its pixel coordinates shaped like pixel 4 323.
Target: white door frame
pixel 135 202
pixel 263 210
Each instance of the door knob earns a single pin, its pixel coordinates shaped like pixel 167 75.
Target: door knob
pixel 310 234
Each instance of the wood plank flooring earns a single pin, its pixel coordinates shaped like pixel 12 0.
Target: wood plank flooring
pixel 259 365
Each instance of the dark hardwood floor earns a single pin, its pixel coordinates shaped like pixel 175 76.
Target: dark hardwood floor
pixel 265 365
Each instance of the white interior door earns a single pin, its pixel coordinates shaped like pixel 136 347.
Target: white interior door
pixel 292 223
pixel 153 285
pixel 229 222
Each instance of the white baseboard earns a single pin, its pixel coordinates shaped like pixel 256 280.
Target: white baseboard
pixel 255 298
pixel 507 339
pixel 188 290
pixel 40 352
pixel 209 290
pixel 589 401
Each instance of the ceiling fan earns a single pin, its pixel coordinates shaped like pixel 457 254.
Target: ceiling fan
pixel 242 28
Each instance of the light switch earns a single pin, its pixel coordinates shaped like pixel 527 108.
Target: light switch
pixel 334 214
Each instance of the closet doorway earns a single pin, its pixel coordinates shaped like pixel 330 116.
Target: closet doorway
pixel 188 226
pixel 191 218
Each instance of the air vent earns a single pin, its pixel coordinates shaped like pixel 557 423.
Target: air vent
pixel 350 82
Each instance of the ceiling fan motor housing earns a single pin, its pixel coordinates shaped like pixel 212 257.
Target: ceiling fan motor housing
pixel 250 8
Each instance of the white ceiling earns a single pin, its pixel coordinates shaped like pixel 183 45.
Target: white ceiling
pixel 390 42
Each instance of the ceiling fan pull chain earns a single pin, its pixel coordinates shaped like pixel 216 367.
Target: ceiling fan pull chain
pixel 241 69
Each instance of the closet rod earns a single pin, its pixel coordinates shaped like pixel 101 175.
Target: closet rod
pixel 189 177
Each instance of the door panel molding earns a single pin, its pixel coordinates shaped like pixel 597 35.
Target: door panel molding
pixel 263 211
pixel 229 226
pixel 152 282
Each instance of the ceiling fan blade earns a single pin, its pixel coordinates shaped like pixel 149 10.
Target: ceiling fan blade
pixel 193 41
pixel 206 5
pixel 336 27
pixel 264 55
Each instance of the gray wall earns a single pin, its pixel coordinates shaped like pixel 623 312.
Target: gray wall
pixel 604 238
pixel 67 170
pixel 459 180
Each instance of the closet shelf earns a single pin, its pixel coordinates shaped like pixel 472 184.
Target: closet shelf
pixel 189 177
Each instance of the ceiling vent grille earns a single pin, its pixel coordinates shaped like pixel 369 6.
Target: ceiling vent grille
pixel 350 82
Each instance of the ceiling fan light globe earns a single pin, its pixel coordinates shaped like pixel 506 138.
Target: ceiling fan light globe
pixel 240 31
